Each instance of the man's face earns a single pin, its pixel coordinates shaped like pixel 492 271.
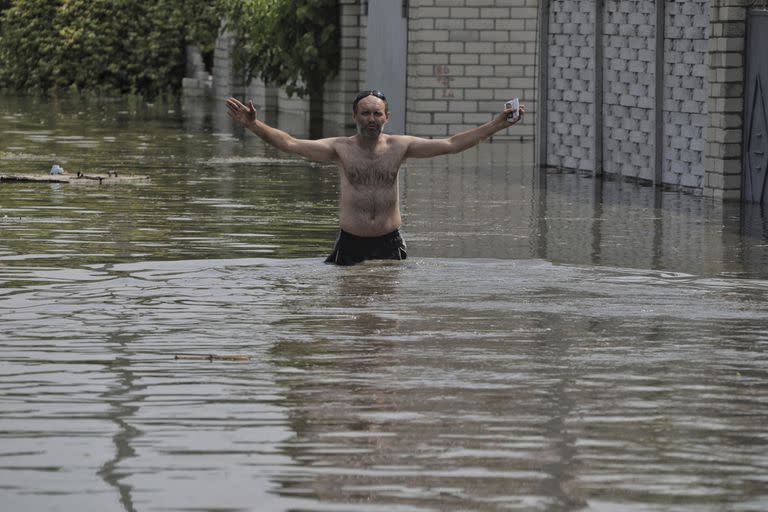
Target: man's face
pixel 371 116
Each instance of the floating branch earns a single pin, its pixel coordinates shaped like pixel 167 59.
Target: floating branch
pixel 210 357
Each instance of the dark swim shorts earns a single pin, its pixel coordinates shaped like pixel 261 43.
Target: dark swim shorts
pixel 352 249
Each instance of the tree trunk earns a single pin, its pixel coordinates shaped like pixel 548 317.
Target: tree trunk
pixel 316 113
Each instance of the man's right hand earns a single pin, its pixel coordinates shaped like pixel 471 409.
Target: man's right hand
pixel 240 113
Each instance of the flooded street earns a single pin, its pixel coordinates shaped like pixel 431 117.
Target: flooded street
pixel 553 342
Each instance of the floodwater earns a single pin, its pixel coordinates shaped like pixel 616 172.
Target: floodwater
pixel 552 343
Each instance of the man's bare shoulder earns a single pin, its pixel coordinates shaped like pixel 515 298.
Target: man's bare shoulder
pixel 405 140
pixel 344 141
pixel 341 143
pixel 398 140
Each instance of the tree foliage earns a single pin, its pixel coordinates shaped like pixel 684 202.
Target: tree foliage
pixel 289 43
pixel 101 45
pixel 138 46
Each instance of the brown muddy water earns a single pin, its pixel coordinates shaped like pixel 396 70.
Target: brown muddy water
pixel 552 342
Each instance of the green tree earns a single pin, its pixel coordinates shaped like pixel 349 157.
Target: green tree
pixel 290 43
pixel 138 46
pixel 93 45
pixel 102 45
pixel 28 44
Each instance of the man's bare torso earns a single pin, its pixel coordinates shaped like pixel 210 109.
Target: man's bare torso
pixel 370 199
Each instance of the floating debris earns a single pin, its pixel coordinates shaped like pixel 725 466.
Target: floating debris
pixel 111 177
pixel 210 357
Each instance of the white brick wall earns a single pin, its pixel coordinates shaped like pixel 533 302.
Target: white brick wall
pixel 465 59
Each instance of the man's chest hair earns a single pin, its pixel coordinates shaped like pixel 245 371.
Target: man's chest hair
pixel 373 173
pixel 379 167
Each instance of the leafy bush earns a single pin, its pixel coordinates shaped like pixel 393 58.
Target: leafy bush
pixel 105 46
pixel 289 43
pixel 27 44
pixel 139 46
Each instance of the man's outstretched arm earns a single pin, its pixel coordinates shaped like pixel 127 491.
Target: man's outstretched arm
pixel 318 150
pixel 426 148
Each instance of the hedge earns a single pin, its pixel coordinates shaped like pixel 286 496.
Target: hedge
pixel 106 46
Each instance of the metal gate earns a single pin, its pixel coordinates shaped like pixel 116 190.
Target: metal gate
pixel 387 54
pixel 756 109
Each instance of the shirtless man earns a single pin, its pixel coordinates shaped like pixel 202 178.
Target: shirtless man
pixel 368 162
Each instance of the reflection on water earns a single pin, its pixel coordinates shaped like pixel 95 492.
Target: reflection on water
pixel 552 342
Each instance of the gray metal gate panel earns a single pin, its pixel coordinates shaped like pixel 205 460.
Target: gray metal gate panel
pixel 386 55
pixel 756 110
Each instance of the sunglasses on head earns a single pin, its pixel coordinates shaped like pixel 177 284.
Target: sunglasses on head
pixel 365 94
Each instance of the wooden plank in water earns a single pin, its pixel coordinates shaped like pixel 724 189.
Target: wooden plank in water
pixel 79 178
pixel 210 357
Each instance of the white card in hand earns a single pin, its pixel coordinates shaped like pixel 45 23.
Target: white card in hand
pixel 514 105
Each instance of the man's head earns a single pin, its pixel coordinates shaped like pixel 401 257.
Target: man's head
pixel 365 94
pixel 370 113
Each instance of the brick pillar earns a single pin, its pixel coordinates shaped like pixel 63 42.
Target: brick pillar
pixel 340 91
pixel 227 80
pixel 723 169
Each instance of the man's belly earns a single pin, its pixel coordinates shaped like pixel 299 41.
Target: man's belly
pixel 369 214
